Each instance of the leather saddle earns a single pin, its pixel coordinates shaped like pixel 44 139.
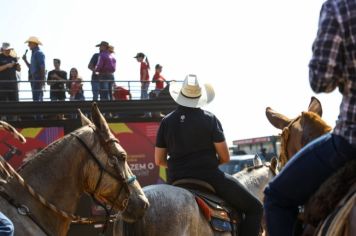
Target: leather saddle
pixel 221 216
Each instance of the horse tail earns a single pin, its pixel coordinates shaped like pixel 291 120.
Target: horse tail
pixel 12 130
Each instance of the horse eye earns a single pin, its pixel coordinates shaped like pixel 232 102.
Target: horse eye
pixel 112 161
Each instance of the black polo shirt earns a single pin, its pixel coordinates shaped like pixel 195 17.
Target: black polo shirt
pixel 189 135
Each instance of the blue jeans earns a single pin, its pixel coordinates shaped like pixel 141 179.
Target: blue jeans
pixel 144 90
pixel 6 226
pixel 105 82
pixel 95 86
pixel 37 90
pixel 300 178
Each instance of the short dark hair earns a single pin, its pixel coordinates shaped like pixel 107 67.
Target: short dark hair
pixel 57 60
pixel 158 66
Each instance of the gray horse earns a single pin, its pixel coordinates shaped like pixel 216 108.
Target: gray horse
pixel 173 210
pixel 88 160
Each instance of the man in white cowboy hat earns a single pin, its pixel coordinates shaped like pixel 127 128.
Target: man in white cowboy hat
pixel 37 68
pixel 8 78
pixel 195 143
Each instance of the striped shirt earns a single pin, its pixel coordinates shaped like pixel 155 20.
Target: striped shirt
pixel 333 63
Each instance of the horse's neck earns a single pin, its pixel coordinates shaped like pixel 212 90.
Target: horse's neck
pixel 56 174
pixel 255 180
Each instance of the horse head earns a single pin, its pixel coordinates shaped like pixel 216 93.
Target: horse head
pixel 297 132
pixel 109 178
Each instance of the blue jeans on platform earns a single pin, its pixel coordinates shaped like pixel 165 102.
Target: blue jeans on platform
pixel 95 86
pixel 105 81
pixel 37 90
pixel 144 90
pixel 6 226
pixel 300 178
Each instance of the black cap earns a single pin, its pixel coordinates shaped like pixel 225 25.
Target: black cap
pixel 103 43
pixel 140 54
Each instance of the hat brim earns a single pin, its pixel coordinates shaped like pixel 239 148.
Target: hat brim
pixel 207 95
pixel 32 41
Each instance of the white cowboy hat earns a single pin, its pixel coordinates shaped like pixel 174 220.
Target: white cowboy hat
pixel 33 39
pixel 190 93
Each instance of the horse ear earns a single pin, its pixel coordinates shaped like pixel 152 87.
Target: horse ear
pixel 257 160
pixel 315 106
pixel 274 163
pixel 276 119
pixel 13 131
pixel 84 119
pixel 98 118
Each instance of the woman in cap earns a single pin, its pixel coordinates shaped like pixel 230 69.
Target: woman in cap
pixel 195 143
pixel 144 75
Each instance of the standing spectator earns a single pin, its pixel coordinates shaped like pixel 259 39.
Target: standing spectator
pixel 95 84
pixel 158 79
pixel 144 75
pixel 57 80
pixel 111 83
pixel 8 77
pixel 105 67
pixel 37 68
pixel 75 85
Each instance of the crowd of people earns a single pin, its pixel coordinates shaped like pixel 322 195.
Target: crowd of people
pixel 102 64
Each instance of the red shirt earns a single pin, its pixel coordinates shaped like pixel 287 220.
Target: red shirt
pixel 144 67
pixel 121 93
pixel 159 81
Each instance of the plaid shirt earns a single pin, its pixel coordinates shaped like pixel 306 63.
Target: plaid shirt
pixel 334 61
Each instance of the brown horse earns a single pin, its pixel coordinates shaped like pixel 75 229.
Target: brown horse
pixel 88 160
pixel 320 209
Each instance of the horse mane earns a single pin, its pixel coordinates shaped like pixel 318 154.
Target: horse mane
pixel 313 126
pixel 324 201
pixel 251 168
pixel 47 150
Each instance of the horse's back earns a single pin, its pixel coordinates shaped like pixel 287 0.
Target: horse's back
pixel 173 211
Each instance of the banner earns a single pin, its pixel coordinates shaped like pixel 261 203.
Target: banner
pixel 138 139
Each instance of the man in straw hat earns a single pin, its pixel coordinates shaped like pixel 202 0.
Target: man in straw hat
pixel 37 68
pixel 8 77
pixel 194 140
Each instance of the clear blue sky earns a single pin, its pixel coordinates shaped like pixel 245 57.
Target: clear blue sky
pixel 255 53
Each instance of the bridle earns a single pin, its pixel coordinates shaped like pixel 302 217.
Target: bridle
pixel 114 161
pixel 285 135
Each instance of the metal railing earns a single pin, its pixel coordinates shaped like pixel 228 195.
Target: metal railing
pixel 25 92
pixel 25 109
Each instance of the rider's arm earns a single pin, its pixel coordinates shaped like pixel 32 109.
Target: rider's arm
pixel 223 152
pixel 161 156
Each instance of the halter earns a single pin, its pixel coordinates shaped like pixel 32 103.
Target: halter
pixel 283 156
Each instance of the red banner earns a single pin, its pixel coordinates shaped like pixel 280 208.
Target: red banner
pixel 138 139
